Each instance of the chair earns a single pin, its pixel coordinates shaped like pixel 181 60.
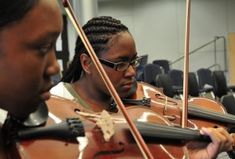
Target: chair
pixel 177 79
pixel 164 64
pixel 193 87
pixel 205 79
pixel 228 102
pixel 221 87
pixel 144 60
pixel 150 72
pixel 206 82
pixel 139 73
pixel 164 81
pixel 140 68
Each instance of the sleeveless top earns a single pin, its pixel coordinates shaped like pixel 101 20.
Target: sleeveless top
pixel 65 90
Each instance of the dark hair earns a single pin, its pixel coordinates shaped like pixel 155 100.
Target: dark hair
pixel 14 10
pixel 99 31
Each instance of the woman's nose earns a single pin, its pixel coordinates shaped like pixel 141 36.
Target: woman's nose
pixel 131 71
pixel 53 66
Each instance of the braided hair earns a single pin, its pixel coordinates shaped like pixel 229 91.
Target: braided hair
pixel 99 31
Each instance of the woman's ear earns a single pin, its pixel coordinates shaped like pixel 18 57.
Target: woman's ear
pixel 86 63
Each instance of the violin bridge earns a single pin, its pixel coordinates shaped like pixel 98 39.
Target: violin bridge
pixel 106 124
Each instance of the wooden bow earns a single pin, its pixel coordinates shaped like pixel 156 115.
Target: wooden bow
pixel 184 117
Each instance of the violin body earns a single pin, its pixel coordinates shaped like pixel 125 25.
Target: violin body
pixel 202 112
pixel 93 145
pixel 48 148
pixel 122 144
pixel 167 107
pixel 172 108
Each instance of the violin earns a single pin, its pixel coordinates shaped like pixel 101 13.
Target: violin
pixel 199 108
pixel 54 136
pixel 155 129
pixel 121 145
pixel 203 112
pixel 92 144
pixel 144 94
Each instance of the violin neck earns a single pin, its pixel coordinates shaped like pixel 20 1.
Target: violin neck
pixel 214 116
pixel 158 131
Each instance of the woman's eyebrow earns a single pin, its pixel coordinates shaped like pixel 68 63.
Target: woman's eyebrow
pixel 127 58
pixel 49 35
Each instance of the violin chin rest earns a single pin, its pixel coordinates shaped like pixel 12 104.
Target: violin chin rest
pixel 38 117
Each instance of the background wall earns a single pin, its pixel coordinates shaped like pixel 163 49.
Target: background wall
pixel 158 27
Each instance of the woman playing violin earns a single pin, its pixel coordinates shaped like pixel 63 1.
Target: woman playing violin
pixel 116 50
pixel 28 33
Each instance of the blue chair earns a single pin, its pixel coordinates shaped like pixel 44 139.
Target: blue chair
pixel 150 72
pixel 164 64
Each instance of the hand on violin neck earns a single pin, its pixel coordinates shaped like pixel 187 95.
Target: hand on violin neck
pixel 221 142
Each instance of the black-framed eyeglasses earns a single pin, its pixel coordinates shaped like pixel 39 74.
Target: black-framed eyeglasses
pixel 122 65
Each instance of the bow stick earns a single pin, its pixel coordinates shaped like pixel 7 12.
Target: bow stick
pixel 184 118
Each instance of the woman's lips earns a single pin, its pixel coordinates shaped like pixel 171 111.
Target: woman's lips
pixel 127 85
pixel 45 95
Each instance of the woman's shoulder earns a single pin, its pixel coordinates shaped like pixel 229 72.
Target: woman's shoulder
pixel 3 115
pixel 61 90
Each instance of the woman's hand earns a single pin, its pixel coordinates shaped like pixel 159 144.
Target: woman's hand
pixel 221 141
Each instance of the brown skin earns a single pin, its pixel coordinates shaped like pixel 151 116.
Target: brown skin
pixel 221 142
pixel 122 46
pixel 27 58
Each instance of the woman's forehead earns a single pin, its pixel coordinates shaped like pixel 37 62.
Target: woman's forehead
pixel 122 46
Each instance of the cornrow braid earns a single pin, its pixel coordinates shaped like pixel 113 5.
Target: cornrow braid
pixel 99 31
